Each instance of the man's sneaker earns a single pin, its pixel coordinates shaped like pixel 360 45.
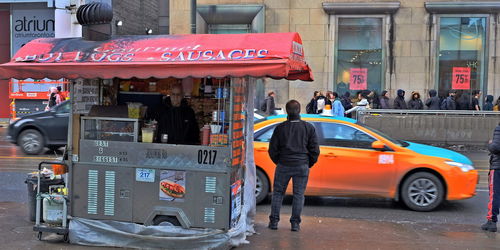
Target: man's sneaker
pixel 273 225
pixel 295 227
pixel 489 226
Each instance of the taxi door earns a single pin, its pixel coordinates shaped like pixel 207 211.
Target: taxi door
pixel 262 160
pixel 350 166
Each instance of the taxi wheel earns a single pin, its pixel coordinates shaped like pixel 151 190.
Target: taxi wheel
pixel 422 192
pixel 261 187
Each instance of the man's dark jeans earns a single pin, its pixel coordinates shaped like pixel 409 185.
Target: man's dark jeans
pixel 283 174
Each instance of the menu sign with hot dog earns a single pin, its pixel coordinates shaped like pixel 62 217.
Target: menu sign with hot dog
pixel 172 185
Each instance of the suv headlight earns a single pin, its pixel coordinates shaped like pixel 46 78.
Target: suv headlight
pixel 462 166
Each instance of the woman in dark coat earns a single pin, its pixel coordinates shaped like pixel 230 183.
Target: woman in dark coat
pixel 415 102
pixel 384 100
pixel 399 102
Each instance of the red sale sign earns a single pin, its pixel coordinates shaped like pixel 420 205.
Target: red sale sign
pixel 358 79
pixel 460 78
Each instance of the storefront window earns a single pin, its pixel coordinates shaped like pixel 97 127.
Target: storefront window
pixel 462 42
pixel 359 64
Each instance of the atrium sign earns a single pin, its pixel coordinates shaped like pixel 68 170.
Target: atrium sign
pixel 29 24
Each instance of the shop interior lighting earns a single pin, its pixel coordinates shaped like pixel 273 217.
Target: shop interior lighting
pixel 149 31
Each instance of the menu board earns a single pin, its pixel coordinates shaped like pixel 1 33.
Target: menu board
pixel 86 94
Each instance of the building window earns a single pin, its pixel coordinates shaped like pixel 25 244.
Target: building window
pixel 359 55
pixel 462 64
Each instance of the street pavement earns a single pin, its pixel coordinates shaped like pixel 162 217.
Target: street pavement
pixel 328 222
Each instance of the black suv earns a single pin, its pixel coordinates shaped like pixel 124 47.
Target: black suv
pixel 36 131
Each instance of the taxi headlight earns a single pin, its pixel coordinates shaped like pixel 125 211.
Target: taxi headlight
pixel 462 166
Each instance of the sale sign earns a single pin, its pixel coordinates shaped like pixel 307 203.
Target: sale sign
pixel 460 78
pixel 358 80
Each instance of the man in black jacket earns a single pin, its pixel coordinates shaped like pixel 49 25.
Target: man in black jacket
pixel 294 149
pixel 493 182
pixel 433 102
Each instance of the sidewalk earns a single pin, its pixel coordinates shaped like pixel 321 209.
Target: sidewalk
pixel 324 233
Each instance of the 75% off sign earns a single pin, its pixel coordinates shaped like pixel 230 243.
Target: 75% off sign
pixel 460 78
pixel 358 80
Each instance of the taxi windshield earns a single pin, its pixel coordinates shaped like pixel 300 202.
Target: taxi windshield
pixel 397 142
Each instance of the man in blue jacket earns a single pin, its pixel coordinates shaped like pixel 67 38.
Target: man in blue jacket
pixel 294 149
pixel 493 183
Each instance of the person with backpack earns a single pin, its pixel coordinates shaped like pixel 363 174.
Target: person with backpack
pixel 399 102
pixel 269 107
pixel 488 103
pixel 433 102
pixel 312 107
pixel 449 102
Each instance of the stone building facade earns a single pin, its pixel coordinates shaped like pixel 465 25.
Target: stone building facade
pixel 415 45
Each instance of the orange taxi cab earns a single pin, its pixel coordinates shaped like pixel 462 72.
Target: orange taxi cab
pixel 358 161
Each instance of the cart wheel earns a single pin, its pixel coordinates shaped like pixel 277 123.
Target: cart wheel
pixel 65 238
pixel 39 236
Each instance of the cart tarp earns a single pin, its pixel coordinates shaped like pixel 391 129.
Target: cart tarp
pixel 275 55
pixel 131 235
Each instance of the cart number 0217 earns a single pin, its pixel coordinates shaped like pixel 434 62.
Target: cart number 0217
pixel 207 157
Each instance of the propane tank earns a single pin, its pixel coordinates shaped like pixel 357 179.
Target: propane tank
pixel 53 209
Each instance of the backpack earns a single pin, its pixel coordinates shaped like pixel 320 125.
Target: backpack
pixel 310 108
pixel 263 107
pixel 443 105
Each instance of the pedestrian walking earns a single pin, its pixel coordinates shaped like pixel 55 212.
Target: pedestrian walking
pixel 62 96
pixel 493 183
pixel 338 108
pixel 476 94
pixel 346 102
pixel 54 98
pixel 362 104
pixel 312 106
pixel 269 107
pixel 449 102
pixel 488 103
pixel 294 149
pixel 415 102
pixel 399 102
pixel 433 102
pixel 384 100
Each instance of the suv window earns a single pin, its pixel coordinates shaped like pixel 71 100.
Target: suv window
pixel 64 108
pixel 340 135
pixel 265 134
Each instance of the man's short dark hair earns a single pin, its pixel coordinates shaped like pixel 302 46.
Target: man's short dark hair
pixel 335 94
pixel 59 88
pixel 293 107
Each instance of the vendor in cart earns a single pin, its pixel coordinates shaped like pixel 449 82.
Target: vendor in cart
pixel 178 122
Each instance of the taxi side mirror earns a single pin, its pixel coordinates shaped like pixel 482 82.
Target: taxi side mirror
pixel 379 146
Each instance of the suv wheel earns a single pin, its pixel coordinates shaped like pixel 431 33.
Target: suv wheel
pixel 422 191
pixel 261 187
pixel 31 142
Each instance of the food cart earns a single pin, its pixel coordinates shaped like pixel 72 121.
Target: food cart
pixel 121 167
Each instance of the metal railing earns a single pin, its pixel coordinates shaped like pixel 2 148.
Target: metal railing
pixel 443 127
